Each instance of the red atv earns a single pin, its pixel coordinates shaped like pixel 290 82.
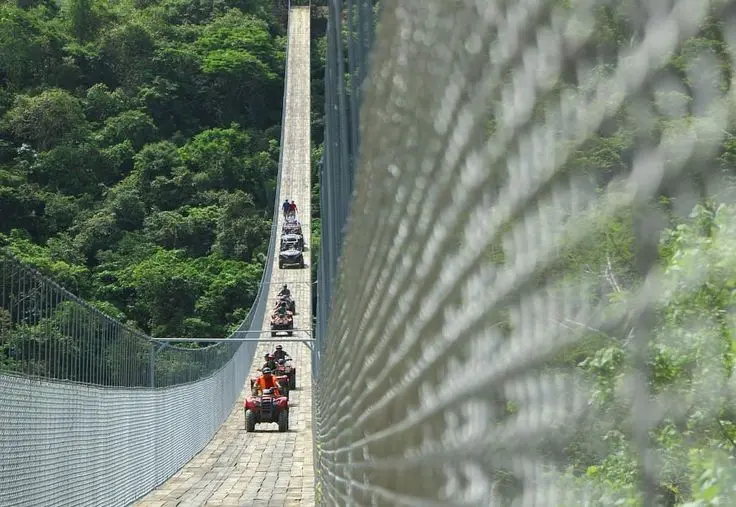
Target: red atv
pixel 282 323
pixel 281 379
pixel 288 371
pixel 266 408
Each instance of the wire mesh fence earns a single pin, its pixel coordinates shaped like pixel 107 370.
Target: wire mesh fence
pixel 79 423
pixel 349 38
pixel 64 443
pixel 47 332
pixel 533 303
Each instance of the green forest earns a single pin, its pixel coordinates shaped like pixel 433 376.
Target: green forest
pixel 139 148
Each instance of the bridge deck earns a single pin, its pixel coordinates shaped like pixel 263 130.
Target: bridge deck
pixel 268 468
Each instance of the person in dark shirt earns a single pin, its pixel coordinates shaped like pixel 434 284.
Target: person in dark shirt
pixel 280 353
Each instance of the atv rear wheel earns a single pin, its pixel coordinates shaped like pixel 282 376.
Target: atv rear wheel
pixel 283 421
pixel 292 382
pixel 250 421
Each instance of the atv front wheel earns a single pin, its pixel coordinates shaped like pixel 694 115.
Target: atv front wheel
pixel 292 382
pixel 283 421
pixel 250 421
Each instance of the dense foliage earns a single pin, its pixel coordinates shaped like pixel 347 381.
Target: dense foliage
pixel 139 150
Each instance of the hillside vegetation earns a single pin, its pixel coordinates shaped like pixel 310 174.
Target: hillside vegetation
pixel 139 151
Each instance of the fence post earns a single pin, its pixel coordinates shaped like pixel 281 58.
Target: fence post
pixel 152 366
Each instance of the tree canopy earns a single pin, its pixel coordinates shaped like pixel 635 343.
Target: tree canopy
pixel 139 151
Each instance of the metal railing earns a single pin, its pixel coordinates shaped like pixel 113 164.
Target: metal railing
pixel 48 332
pixel 528 300
pixel 346 67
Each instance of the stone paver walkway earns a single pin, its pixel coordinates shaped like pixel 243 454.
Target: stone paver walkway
pixel 268 468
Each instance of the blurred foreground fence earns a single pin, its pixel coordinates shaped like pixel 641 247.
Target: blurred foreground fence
pixel 532 299
pixel 350 33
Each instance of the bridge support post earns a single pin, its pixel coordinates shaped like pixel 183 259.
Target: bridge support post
pixel 152 362
pixel 152 366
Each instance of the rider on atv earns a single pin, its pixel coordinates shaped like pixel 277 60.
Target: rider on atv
pixel 285 291
pixel 280 353
pixel 266 381
pixel 270 363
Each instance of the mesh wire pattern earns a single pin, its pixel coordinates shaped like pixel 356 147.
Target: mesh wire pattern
pixel 467 319
pixel 48 332
pixel 65 443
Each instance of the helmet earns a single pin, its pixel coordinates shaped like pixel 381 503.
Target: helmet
pixel 284 286
pixel 281 361
pixel 279 347
pixel 266 355
pixel 266 371
pixel 270 356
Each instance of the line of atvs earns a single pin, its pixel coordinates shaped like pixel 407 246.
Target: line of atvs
pixel 292 243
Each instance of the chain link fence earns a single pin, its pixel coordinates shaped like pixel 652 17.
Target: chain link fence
pixel 350 30
pixel 47 332
pixel 533 301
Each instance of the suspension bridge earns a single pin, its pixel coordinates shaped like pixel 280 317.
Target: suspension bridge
pixel 81 452
pixel 522 294
pixel 268 468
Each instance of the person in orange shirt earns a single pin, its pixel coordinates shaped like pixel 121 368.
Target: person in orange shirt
pixel 266 381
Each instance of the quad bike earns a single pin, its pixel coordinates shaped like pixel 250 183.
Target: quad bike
pixel 284 382
pixel 282 323
pixel 289 372
pixel 266 408
pixel 290 303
